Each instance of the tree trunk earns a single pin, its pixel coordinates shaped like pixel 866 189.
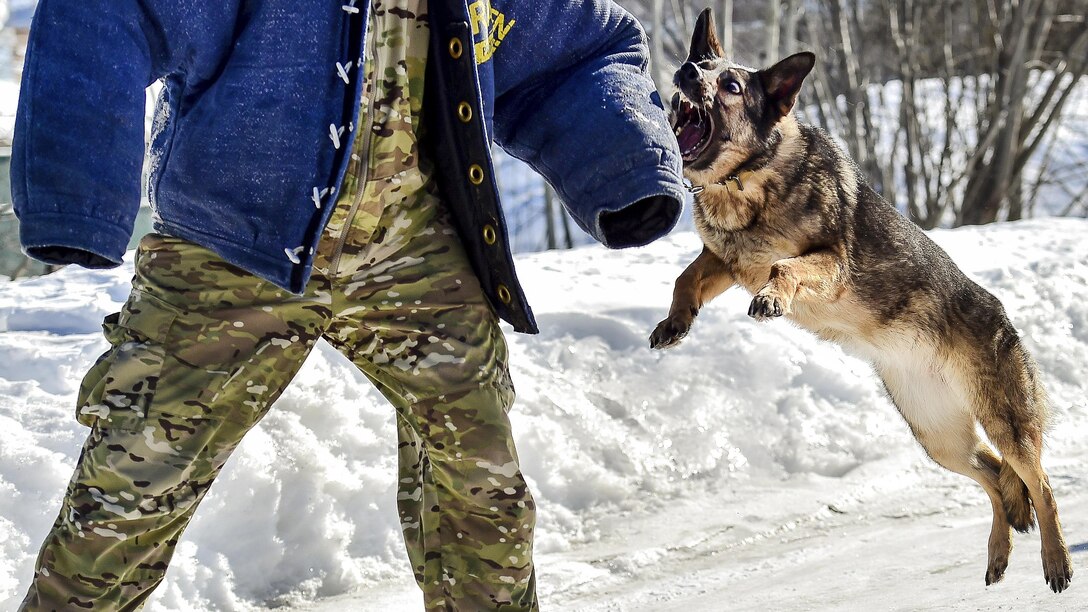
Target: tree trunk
pixel 549 217
pixel 774 26
pixel 726 19
pixel 657 42
pixel 989 188
pixel 793 15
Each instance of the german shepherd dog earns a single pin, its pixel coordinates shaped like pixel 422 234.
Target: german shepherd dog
pixel 784 213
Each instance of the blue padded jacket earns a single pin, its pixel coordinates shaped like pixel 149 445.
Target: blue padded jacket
pixel 246 139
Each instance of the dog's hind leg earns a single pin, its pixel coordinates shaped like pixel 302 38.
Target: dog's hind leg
pixel 1057 566
pixel 1012 410
pixel 965 454
pixel 945 427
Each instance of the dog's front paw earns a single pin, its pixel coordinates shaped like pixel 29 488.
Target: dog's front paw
pixel 670 332
pixel 767 305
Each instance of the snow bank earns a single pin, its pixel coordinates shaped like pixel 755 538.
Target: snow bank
pixel 605 426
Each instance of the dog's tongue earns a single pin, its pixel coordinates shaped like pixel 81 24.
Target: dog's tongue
pixel 689 137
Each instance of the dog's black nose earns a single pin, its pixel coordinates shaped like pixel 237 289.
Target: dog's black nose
pixel 689 73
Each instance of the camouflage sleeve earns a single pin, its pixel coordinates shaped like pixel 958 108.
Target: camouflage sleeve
pixel 575 100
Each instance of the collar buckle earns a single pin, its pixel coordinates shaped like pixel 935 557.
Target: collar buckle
pixel 732 178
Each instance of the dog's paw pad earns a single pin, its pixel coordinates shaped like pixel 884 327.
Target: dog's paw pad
pixel 1058 572
pixel 766 307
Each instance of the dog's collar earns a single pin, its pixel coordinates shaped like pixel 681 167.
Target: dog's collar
pixel 732 178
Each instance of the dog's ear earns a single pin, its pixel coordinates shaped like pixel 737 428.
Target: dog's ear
pixel 783 80
pixel 704 41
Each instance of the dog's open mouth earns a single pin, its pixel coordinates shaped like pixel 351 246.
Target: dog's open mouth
pixel 693 128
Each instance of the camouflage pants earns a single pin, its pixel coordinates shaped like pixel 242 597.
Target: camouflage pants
pixel 202 349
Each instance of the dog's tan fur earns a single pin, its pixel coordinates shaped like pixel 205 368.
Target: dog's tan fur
pixel 782 212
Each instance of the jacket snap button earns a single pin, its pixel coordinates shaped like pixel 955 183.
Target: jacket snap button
pixel 504 294
pixel 455 48
pixel 475 174
pixel 489 234
pixel 464 112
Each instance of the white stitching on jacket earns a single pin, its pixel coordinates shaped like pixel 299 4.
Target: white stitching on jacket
pixel 335 134
pixel 318 195
pixel 343 70
pixel 293 254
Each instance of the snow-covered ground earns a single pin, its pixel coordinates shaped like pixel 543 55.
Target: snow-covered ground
pixel 752 467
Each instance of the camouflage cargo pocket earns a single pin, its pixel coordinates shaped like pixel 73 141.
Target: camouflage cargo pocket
pixel 188 365
pixel 121 386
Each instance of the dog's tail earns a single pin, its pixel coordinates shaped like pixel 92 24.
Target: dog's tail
pixel 1017 502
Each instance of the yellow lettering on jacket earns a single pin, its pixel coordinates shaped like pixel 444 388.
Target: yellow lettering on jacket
pixel 489 28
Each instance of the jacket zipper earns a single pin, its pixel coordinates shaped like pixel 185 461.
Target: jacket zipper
pixel 364 146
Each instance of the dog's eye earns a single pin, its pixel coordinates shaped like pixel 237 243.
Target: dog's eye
pixel 732 87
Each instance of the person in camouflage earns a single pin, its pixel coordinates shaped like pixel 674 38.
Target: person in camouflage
pixel 202 349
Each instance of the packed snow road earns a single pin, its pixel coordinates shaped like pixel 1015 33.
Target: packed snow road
pixel 895 535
